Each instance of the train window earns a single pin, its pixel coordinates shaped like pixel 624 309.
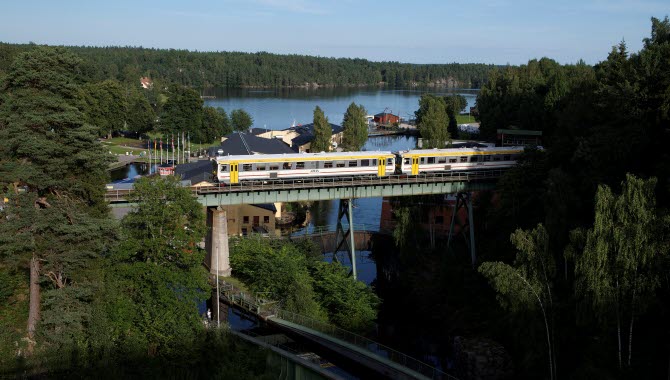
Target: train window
pixel 464 159
pixel 353 164
pixel 474 159
pixel 260 166
pixel 506 157
pixel 452 160
pixel 374 162
pixel 327 164
pixel 389 161
pixel 365 162
pixel 441 160
pixel 496 158
pixel 487 158
pixel 224 168
pixel 286 166
pixel 274 167
pixel 431 160
pixel 246 168
pixel 423 160
pixel 299 165
pixel 339 164
pixel 406 161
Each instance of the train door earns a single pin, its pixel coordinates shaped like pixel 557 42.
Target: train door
pixel 234 173
pixel 415 165
pixel 381 166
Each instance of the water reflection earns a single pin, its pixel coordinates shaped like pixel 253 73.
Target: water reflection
pixel 131 171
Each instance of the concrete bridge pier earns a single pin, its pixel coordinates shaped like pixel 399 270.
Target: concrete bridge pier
pixel 464 200
pixel 216 243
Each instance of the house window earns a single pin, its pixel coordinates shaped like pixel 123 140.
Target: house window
pixel 245 220
pixel 431 160
pixel 246 167
pixel 244 232
pixel 299 165
pixel 365 162
pixel 353 164
pixel 266 219
pixel 327 165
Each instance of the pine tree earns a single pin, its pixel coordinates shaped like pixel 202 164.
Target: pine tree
pixel 53 170
pixel 322 132
pixel 355 128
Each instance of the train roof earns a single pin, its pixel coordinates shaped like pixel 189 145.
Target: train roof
pixel 304 156
pixel 457 151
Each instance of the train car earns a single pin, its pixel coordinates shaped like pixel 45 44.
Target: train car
pixel 236 169
pixel 414 162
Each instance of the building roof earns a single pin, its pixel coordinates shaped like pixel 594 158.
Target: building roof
pixel 384 114
pixel 258 131
pixel 196 172
pixel 242 143
pixel 306 133
pixel 524 132
pixel 267 206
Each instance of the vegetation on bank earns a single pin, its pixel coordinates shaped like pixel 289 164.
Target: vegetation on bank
pixel 262 69
pixel 296 275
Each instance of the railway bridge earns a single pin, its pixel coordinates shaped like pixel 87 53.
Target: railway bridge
pixel 344 189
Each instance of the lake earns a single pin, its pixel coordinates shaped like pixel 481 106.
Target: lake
pixel 280 108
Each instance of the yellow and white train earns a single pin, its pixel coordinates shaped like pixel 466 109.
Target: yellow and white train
pixel 267 167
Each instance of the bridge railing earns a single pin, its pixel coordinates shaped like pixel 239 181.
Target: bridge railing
pixel 365 343
pixel 328 182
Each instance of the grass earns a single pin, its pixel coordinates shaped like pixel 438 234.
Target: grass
pixel 115 149
pixel 465 119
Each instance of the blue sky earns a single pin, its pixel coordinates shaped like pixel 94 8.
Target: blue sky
pixel 418 31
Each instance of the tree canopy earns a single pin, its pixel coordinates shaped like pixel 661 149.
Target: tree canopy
pixel 355 128
pixel 322 132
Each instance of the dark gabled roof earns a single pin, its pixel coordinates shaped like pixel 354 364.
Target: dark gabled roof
pixel 195 172
pixel 241 143
pixel 267 206
pixel 306 133
pixel 468 144
pixel 258 131
pixel 385 113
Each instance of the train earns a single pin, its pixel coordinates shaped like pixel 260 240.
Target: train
pixel 232 170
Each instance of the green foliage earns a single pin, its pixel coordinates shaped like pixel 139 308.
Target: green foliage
pixel 105 106
pixel 240 120
pixel 355 128
pixel 60 219
pixel 215 123
pixel 294 274
pixel 432 121
pixel 454 105
pixel 182 113
pixel 322 132
pixel 350 304
pixel 140 116
pixel 236 69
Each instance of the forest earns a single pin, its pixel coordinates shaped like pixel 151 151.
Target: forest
pixel 573 246
pixel 236 69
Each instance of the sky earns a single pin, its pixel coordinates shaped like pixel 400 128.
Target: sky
pixel 413 31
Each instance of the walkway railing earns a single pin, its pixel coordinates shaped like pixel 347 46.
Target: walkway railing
pixel 328 182
pixel 364 343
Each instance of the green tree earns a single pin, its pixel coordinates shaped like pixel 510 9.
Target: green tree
pixel 215 123
pixel 140 116
pixel 454 106
pixel 53 170
pixel 240 120
pixel 527 284
pixel 322 132
pixel 105 106
pixel 182 113
pixel 616 272
pixel 433 123
pixel 155 277
pixel 355 128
